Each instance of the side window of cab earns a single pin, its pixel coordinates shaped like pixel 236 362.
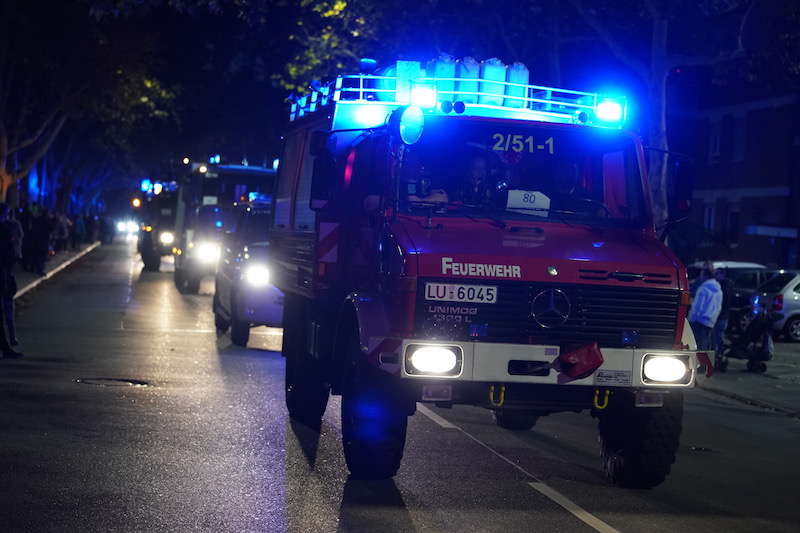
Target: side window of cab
pixel 287 176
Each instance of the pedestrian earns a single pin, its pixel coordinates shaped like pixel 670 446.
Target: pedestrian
pixel 41 234
pixel 61 234
pixel 705 310
pixel 724 313
pixel 26 218
pixel 8 285
pixel 78 233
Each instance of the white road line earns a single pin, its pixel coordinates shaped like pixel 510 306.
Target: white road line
pixel 33 284
pixel 579 512
pixel 540 486
pixel 436 418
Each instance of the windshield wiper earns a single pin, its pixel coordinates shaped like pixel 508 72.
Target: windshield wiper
pixel 498 222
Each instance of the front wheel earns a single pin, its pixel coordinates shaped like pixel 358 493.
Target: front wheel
pixel 515 420
pixel 373 424
pixel 305 386
pixel 240 329
pixel 638 445
pixel 186 283
pixel 792 329
pixel 152 262
pixel 219 321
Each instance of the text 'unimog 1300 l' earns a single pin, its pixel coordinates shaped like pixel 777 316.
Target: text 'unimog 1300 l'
pixel 448 233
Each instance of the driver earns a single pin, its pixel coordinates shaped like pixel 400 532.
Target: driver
pixel 475 189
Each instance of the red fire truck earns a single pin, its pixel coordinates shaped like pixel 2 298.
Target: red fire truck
pixel 449 233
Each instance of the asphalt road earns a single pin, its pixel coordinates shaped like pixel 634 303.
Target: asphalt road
pixel 207 444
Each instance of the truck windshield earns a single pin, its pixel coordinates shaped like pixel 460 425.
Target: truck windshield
pixel 511 170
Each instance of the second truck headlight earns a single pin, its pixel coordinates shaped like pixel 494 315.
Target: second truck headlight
pixel 207 252
pixel 166 237
pixel 257 275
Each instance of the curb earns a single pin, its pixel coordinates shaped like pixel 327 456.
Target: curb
pixel 749 401
pixel 35 283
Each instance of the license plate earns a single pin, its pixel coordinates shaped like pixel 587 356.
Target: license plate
pixel 437 393
pixel 453 292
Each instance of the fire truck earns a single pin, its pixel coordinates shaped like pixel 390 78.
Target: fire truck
pixel 449 233
pixel 207 202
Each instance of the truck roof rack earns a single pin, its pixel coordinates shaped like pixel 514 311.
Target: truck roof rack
pixel 471 96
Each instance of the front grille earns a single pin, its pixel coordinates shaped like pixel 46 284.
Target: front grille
pixel 601 313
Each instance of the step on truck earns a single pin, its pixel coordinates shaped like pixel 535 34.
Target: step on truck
pixel 448 233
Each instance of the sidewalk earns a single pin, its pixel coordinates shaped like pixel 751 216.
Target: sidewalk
pixel 778 388
pixel 27 281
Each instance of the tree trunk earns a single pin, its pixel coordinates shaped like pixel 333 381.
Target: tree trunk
pixel 553 43
pixel 657 128
pixel 658 156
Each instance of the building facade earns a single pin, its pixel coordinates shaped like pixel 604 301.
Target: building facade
pixel 745 181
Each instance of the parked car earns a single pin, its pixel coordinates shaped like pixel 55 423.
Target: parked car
pixel 244 295
pixel 746 277
pixel 782 294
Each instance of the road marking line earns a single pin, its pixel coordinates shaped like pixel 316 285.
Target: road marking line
pixel 579 512
pixel 540 486
pixel 436 418
pixel 33 284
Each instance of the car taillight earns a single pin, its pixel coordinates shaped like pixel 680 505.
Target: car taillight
pixel 777 303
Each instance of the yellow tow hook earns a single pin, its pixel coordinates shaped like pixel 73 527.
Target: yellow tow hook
pixel 501 400
pixel 597 404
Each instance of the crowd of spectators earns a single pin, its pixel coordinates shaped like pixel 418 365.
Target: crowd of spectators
pixel 46 232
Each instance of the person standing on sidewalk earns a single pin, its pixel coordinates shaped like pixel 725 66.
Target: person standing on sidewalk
pixel 705 311
pixel 724 313
pixel 8 284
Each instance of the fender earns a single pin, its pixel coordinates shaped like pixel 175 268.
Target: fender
pixel 687 338
pixel 369 312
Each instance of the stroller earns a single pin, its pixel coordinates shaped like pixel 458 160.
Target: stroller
pixel 754 343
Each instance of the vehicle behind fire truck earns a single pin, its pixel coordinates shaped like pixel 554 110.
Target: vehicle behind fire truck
pixel 206 211
pixel 448 233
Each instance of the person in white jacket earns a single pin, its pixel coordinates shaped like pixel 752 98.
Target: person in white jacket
pixel 705 311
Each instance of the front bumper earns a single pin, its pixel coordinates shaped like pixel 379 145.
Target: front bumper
pixel 491 363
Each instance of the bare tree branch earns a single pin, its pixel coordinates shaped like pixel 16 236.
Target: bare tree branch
pixel 613 44
pixel 682 60
pixel 37 154
pixel 37 134
pixel 512 50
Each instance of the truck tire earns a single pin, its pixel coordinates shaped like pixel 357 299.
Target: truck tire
pixel 305 386
pixel 219 321
pixel 638 445
pixel 515 419
pixel 186 283
pixel 240 329
pixel 152 262
pixel 373 422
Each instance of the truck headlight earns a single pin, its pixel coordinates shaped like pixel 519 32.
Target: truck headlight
pixel 166 237
pixel 666 369
pixel 207 252
pixel 257 275
pixel 122 227
pixel 433 360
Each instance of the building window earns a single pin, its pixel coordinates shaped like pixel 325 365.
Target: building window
pixel 739 138
pixel 708 217
pixel 733 227
pixel 714 141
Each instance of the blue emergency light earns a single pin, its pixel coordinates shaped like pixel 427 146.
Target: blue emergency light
pixel 444 87
pixel 146 185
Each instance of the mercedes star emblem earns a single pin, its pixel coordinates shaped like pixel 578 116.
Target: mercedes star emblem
pixel 550 308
